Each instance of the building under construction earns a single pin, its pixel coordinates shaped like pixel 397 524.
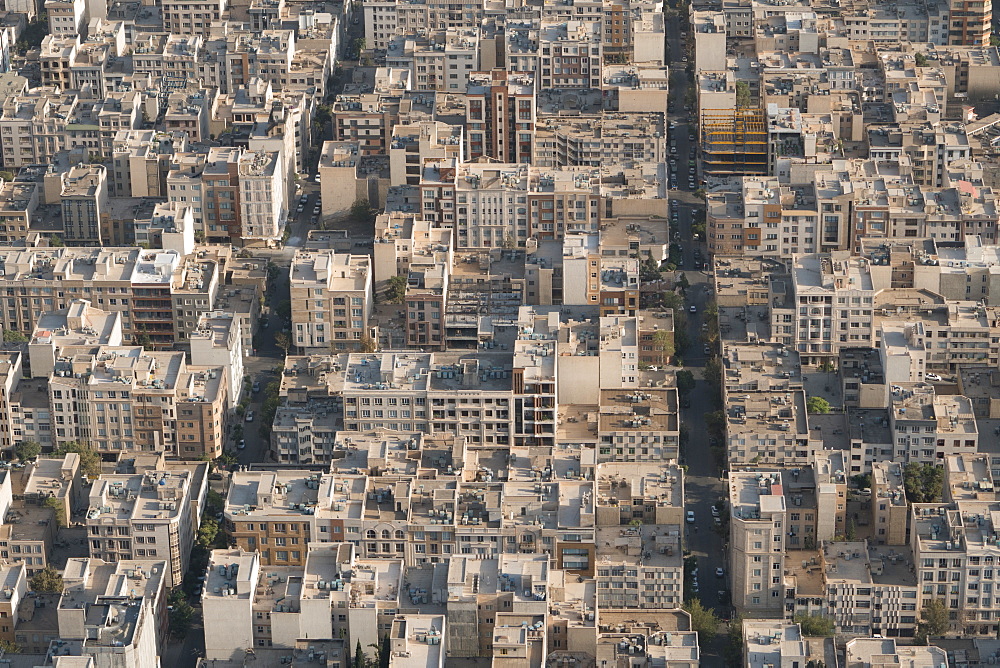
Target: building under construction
pixel 733 142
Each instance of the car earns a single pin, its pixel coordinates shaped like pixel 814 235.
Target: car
pixel 256 386
pixel 696 236
pixel 299 209
pixel 933 376
pixel 673 202
pixel 316 178
pixel 694 573
pixel 673 169
pixel 708 350
pixel 691 137
pixel 673 150
pixel 316 210
pixel 693 309
pixel 684 59
pixel 719 573
pixel 356 21
pixel 715 511
pixel 690 517
pixel 694 586
pixel 673 124
pixel 215 476
pixel 249 416
pixel 691 163
pixel 718 521
pixel 242 444
pixel 304 199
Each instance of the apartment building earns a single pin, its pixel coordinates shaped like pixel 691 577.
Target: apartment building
pixel 66 17
pixel 773 643
pixel 871 591
pixel 500 108
pixel 331 300
pixel 157 403
pixel 192 18
pixel 261 195
pixel 758 514
pixel 927 427
pixel 84 200
pixel 871 651
pixel 217 341
pixel 150 515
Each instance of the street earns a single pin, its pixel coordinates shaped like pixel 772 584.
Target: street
pixel 703 486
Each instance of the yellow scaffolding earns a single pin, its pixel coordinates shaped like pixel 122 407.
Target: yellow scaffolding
pixel 734 141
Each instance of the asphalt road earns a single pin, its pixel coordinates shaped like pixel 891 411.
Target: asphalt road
pixel 703 486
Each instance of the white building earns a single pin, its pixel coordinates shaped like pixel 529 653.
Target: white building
pixel 262 195
pixel 218 341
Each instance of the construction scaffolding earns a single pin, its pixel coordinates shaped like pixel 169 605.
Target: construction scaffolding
pixel 734 142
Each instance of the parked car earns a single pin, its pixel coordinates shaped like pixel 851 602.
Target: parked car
pixel 715 511
pixel 256 386
pixel 933 376
pixel 693 309
pixel 242 444
pixel 249 416
pixel 719 573
pixel 690 517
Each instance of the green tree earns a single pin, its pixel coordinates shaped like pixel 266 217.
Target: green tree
pixel 732 653
pixel 713 371
pixel 6 175
pixel 934 621
pixel 58 507
pixel 284 310
pixel 923 483
pixel 27 451
pixel 208 531
pixel 47 581
pixel 90 461
pixel 395 289
pixel 817 405
pixel 8 647
pixel 743 98
pixel 685 382
pixel 362 212
pixel 851 532
pixel 815 625
pixel 715 423
pixel 673 301
pixel 682 282
pixel 283 341
pixel 181 613
pixel 665 341
pixel 324 114
pixel 359 656
pixel 367 344
pixel 385 652
pixel 14 336
pixel 142 339
pixel 703 620
pixel 921 59
pixel 861 481
pixel 55 241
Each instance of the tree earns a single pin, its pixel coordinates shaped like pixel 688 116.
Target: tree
pixel 8 647
pixel 58 507
pixel 90 461
pixel 47 581
pixel 55 241
pixel 142 339
pixel 385 652
pixel 817 405
pixel 395 289
pixel 703 620
pixel 362 212
pixel 6 175
pixel 509 242
pixel 743 98
pixel 815 625
pixel 27 451
pixel 673 301
pixel 713 370
pixel 715 423
pixel 208 531
pixel 181 613
pixel 923 483
pixel 284 310
pixel 733 651
pixel 682 282
pixel 861 481
pixel 283 341
pixel 921 59
pixel 14 336
pixel 367 344
pixel 934 621
pixel 664 340
pixel 359 656
pixel 685 382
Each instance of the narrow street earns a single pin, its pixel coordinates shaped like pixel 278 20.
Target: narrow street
pixel 703 487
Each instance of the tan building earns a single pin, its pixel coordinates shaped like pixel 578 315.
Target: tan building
pixel 331 300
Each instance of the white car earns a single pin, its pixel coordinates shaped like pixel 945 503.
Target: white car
pixel 693 309
pixel 719 573
pixel 249 417
pixel 715 511
pixel 933 376
pixel 690 517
